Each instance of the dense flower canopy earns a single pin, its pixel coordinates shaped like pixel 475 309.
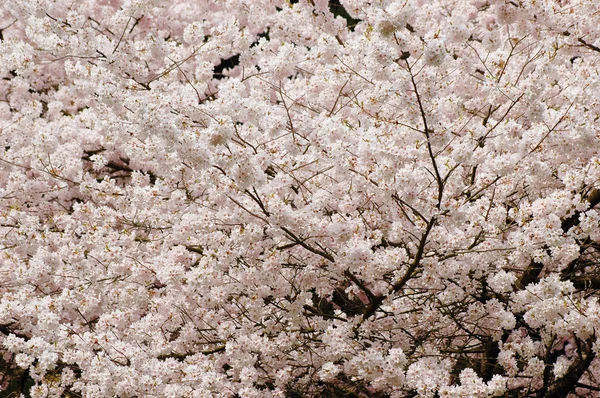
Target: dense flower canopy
pixel 269 198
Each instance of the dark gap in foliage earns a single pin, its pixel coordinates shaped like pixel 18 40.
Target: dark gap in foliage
pixel 227 63
pixel 338 10
pixel 264 34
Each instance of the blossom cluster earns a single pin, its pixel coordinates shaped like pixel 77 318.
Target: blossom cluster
pixel 274 198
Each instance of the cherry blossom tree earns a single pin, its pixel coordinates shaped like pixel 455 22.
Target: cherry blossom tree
pixel 269 198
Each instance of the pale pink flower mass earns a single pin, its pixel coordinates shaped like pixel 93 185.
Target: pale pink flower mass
pixel 299 198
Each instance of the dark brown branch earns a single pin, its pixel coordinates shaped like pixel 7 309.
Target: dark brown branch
pixel 302 243
pixel 313 311
pixel 195 249
pixel 426 131
pixel 376 302
pixel 589 45
pixel 182 357
pixel 255 197
pixel 360 284
pixel 587 387
pixel 562 387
